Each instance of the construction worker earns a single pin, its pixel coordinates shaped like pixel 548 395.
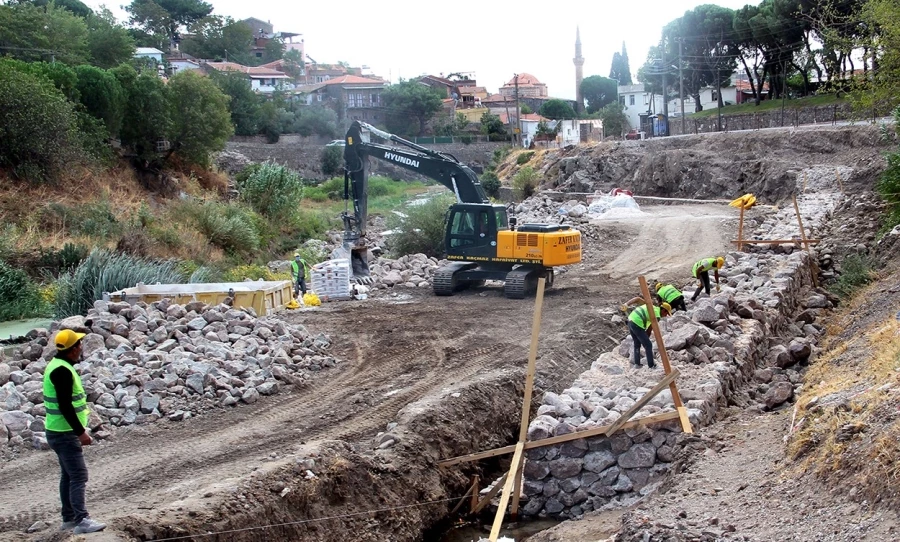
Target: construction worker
pixel 67 415
pixel 638 324
pixel 671 295
pixel 701 271
pixel 298 274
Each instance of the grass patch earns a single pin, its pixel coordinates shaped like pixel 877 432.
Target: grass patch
pixel 770 105
pixel 856 272
pixel 19 296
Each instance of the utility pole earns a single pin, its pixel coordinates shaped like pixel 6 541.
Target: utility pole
pixel 518 118
pixel 681 84
pixel 665 69
pixel 719 85
pixel 783 89
pixel 508 121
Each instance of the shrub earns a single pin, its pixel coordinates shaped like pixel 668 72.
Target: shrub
pixel 201 122
pixel 147 118
pixel 55 261
pixel 272 190
pixel 422 229
pixel 253 272
pixel 106 271
pixel 332 160
pixel 491 184
pixel 227 227
pixel 19 297
pixel 524 157
pixel 525 181
pixel 38 129
pixel 856 272
pixel 102 96
pixel 92 219
pixel 332 189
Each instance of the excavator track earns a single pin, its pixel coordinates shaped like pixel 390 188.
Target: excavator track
pixel 516 284
pixel 444 282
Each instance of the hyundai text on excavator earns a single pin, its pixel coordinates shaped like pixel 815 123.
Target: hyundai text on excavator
pixel 479 239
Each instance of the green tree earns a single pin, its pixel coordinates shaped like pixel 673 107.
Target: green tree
pixel 33 33
pixel 557 109
pixel 147 118
pixel 410 105
pixel 218 38
pixel 166 17
pixel 63 77
pixel 599 91
pixel 491 125
pixel 109 44
pixel 314 119
pixel 244 104
pixel 201 123
pixel 527 110
pixel 525 182
pixel 102 96
pixel 269 122
pixel 38 131
pixel 74 6
pixel 332 160
pixel 884 17
pixel 620 71
pixel 614 120
pixel 294 64
pixel 272 190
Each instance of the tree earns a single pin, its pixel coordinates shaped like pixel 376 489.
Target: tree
pixel 599 91
pixel 294 64
pixel 219 37
pixel 49 33
pixel 102 96
pixel 167 17
pixel 614 120
pixel 314 119
pixel 620 71
pixel 527 110
pixel 244 104
pixel 201 123
pixel 557 109
pixel 74 6
pixel 491 125
pixel 108 43
pixel 147 119
pixel 410 105
pixel 332 160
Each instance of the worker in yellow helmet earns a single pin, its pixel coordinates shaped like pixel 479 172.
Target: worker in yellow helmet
pixel 67 410
pixel 638 325
pixel 671 295
pixel 701 271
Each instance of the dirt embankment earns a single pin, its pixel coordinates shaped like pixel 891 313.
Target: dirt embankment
pixel 717 165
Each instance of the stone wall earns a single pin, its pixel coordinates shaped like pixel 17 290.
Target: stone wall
pixel 304 154
pixel 829 114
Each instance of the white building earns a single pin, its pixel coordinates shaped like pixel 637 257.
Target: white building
pixel 638 101
pixel 263 80
pixel 149 52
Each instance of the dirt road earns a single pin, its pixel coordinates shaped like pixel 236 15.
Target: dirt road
pixel 397 349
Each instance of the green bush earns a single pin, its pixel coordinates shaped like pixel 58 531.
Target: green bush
pixel 525 181
pixel 332 189
pixel 422 229
pixel 332 160
pixel 55 261
pixel 889 184
pixel 524 157
pixel 106 271
pixel 19 297
pixel 856 272
pixel 102 96
pixel 38 128
pixel 201 122
pixel 491 184
pixel 91 219
pixel 227 227
pixel 147 119
pixel 272 190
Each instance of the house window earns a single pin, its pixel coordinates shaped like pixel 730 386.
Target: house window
pixel 318 97
pixel 631 99
pixel 715 95
pixel 646 99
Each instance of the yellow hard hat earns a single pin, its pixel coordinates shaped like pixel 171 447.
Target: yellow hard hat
pixel 658 286
pixel 666 307
pixel 66 338
pixel 720 262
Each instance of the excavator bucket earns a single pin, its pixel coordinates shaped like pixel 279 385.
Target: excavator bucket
pixel 359 262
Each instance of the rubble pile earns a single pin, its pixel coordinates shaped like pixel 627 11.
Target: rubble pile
pixel 410 271
pixel 143 362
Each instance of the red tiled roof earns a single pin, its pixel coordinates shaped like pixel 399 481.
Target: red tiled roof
pixel 524 79
pixel 353 79
pixel 498 98
pixel 524 116
pixel 252 71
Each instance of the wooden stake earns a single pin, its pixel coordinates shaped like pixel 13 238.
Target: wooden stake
pixel 462 499
pixel 597 431
pixel 507 489
pixel 664 356
pixel 475 490
pixel 490 494
pixel 668 379
pixel 812 272
pixel 516 492
pixel 741 231
pixel 837 174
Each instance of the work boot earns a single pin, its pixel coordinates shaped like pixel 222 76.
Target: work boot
pixel 87 525
pixel 67 525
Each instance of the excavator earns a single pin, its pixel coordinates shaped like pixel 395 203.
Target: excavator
pixel 480 240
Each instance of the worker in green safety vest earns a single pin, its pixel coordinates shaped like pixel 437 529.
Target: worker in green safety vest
pixel 65 402
pixel 638 325
pixel 298 274
pixel 671 295
pixel 701 271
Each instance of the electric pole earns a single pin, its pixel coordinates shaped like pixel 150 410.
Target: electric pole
pixel 665 70
pixel 518 119
pixel 681 84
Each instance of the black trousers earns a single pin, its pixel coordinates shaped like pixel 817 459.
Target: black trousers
pixel 641 338
pixel 299 285
pixel 73 474
pixel 704 280
pixel 678 303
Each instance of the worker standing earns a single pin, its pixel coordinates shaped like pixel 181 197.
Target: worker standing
pixel 67 415
pixel 638 325
pixel 701 271
pixel 671 295
pixel 298 274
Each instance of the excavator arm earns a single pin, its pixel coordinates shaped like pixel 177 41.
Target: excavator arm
pixel 358 147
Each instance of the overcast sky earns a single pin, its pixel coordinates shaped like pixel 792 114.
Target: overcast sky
pixel 407 38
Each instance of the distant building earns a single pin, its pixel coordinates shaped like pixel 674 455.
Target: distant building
pixel 151 53
pixel 263 80
pixel 263 32
pixel 528 87
pixel 178 62
pixel 351 96
pixel 638 102
pixel 579 73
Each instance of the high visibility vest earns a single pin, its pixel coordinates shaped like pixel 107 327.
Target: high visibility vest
pixel 55 420
pixel 295 268
pixel 641 317
pixel 703 265
pixel 668 293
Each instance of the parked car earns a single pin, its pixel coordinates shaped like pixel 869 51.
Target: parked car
pixel 336 143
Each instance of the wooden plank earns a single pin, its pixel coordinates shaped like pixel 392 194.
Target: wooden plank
pixel 668 379
pixel 683 417
pixel 516 493
pixel 474 503
pixel 462 500
pixel 490 494
pixel 595 432
pixel 663 355
pixel 741 231
pixel 532 360
pixel 507 489
pixel 812 272
pixel 776 241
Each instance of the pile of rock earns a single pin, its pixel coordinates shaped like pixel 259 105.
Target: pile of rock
pixel 144 362
pixel 544 210
pixel 410 271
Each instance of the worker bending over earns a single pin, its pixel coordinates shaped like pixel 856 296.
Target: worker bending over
pixel 638 325
pixel 701 271
pixel 666 293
